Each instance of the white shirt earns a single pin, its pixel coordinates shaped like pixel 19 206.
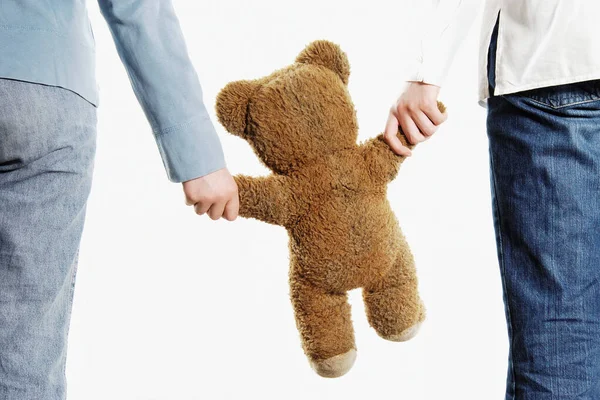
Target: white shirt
pixel 540 42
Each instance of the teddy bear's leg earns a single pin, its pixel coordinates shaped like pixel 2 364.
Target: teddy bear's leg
pixel 325 326
pixel 394 308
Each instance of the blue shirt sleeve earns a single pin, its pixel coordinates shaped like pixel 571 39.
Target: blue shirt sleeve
pixel 152 48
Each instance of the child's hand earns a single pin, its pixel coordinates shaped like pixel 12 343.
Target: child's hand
pixel 215 194
pixel 417 113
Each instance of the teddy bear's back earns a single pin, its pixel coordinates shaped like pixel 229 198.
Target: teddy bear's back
pixel 348 234
pixel 342 173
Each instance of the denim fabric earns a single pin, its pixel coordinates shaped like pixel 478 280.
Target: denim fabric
pixel 52 43
pixel 47 146
pixel 544 147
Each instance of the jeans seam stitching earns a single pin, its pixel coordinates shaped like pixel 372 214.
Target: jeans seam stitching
pixel 71 298
pixel 503 270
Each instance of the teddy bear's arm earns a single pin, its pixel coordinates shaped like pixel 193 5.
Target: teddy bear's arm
pixel 266 198
pixel 381 161
pixel 383 164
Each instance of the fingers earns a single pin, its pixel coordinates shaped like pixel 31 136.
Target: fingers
pixel 202 207
pixel 216 210
pixel 433 113
pixel 423 123
pixel 410 129
pixel 391 137
pixel 418 113
pixel 225 208
pixel 214 194
pixel 418 123
pixel 232 209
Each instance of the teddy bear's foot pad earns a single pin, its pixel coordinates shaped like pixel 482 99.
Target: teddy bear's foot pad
pixel 335 366
pixel 405 335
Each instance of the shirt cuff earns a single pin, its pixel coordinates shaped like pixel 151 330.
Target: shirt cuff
pixel 424 72
pixel 191 149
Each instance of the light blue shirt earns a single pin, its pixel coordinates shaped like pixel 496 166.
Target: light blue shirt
pixel 51 42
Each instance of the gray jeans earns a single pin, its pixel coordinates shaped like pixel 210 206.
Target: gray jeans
pixel 47 148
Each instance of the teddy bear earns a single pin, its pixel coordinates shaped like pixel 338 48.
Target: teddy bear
pixel 330 195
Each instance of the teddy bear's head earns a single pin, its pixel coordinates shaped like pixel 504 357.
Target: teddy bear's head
pixel 296 114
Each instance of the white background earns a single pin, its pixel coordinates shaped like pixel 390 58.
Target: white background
pixel 169 305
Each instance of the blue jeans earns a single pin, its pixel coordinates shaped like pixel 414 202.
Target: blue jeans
pixel 544 147
pixel 47 147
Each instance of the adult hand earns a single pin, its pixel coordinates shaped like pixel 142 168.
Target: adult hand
pixel 215 194
pixel 416 112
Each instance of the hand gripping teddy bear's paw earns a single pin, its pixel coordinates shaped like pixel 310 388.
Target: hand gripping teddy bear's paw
pixel 335 366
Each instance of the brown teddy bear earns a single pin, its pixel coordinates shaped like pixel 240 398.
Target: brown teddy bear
pixel 330 195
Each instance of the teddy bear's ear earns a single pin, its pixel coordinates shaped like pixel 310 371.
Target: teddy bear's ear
pixel 327 54
pixel 232 104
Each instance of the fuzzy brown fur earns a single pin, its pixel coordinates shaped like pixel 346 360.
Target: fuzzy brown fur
pixel 330 195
